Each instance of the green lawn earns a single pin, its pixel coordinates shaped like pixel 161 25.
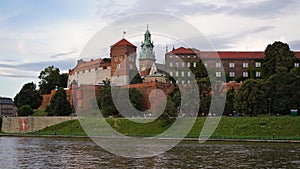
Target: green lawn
pixel 229 127
pixel 41 112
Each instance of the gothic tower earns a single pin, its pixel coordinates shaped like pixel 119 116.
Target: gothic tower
pixel 123 56
pixel 147 56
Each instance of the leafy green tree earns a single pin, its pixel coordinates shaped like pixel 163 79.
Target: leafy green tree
pixel 105 101
pixel 28 95
pixel 59 105
pixel 50 78
pixel 199 71
pixel 204 87
pixel 282 89
pixel 135 77
pixel 229 104
pixel 170 110
pixel 250 98
pixel 25 110
pixel 278 58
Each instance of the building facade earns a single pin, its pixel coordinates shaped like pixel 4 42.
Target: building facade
pixel 91 72
pixel 7 107
pixel 237 66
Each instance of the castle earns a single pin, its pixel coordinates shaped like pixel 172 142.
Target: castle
pixel 238 65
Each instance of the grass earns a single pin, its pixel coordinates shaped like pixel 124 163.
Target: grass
pixel 229 127
pixel 41 112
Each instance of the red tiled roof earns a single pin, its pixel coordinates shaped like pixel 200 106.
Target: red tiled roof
pixel 85 65
pixel 224 54
pixel 123 42
pixel 183 50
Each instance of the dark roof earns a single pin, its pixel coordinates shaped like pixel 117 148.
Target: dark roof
pixel 5 100
pixel 123 42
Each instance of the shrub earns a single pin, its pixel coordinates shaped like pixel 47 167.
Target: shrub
pixel 25 110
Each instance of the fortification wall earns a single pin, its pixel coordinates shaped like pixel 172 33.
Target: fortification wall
pixel 31 124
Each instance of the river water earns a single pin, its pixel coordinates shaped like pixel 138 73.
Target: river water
pixel 35 152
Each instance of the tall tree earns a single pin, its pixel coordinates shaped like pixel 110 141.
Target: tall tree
pixel 229 104
pixel 278 58
pixel 28 95
pixel 50 78
pixel 59 105
pixel 250 98
pixel 282 89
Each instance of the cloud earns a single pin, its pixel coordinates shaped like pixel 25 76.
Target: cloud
pixel 63 54
pixel 295 45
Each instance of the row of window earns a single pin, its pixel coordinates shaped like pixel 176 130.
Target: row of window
pixel 119 66
pixel 121 58
pixel 182 74
pixel 183 56
pixel 245 74
pixel 89 70
pixel 182 64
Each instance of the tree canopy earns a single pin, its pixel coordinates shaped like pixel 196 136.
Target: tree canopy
pixel 59 105
pixel 50 77
pixel 250 98
pixel 28 95
pixel 278 58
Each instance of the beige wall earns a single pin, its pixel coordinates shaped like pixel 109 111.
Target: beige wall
pixel 31 124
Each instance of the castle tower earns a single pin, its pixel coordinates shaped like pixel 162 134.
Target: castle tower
pixel 123 56
pixel 147 56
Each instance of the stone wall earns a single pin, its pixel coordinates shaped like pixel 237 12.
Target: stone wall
pixel 31 124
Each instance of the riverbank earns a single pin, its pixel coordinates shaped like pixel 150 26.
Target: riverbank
pixel 268 129
pixel 257 128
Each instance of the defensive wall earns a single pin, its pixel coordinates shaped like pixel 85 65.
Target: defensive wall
pixel 30 123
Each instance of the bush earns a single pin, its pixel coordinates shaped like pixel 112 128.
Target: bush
pixel 25 110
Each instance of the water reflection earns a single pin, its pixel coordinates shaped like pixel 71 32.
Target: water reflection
pixel 24 152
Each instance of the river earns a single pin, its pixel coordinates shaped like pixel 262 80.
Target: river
pixel 40 152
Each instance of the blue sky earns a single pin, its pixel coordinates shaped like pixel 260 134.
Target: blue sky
pixel 35 34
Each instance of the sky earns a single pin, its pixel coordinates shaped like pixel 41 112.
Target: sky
pixel 36 34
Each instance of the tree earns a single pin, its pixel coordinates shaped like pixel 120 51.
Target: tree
pixel 229 104
pixel 28 95
pixel 105 101
pixel 278 58
pixel 135 77
pixel 25 110
pixel 282 89
pixel 250 98
pixel 59 105
pixel 50 78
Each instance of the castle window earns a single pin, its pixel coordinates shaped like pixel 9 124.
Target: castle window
pixel 218 74
pixel 195 56
pixel 89 70
pixel 182 74
pixel 188 56
pixel 182 81
pixel 257 64
pixel 257 74
pixel 121 57
pixel 96 68
pixel 118 66
pixel 176 74
pixel 83 71
pixel 116 58
pixel 245 65
pixel 104 67
pixel 231 74
pixel 176 56
pixel 231 65
pixel 171 56
pixel 189 73
pixel 194 64
pixel 171 73
pixel 218 65
pixel 177 64
pixel 171 64
pixel 189 82
pixel 182 56
pixel 188 64
pixel 245 74
pixel 182 64
pixel 205 64
pixel 130 66
pixel 296 64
